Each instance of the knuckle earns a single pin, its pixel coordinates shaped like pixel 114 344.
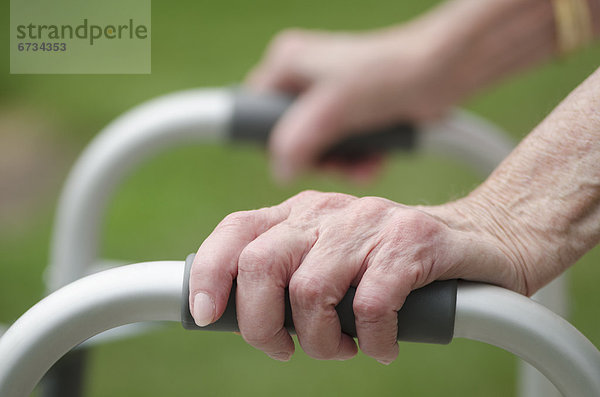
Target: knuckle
pixel 422 224
pixel 370 202
pixel 370 205
pixel 253 258
pixel 256 261
pixel 315 200
pixel 307 195
pixel 332 200
pixel 414 226
pixel 370 310
pixel 236 219
pixel 308 290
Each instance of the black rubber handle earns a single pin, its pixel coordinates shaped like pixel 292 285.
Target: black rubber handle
pixel 254 116
pixel 427 315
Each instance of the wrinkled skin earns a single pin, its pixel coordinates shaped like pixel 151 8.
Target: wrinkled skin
pixel 319 244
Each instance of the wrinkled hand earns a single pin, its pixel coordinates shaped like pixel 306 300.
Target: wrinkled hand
pixel 320 244
pixel 351 83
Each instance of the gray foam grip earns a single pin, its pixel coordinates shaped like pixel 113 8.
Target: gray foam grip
pixel 427 315
pixel 254 116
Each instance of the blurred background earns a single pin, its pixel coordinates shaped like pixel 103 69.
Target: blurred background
pixel 169 205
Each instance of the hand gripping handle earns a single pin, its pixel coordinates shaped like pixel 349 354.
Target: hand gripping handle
pixel 254 116
pixel 427 315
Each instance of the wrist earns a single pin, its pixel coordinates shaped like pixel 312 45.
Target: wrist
pixel 484 218
pixel 516 218
pixel 423 61
pixel 455 39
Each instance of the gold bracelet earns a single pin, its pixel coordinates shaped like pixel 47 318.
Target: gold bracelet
pixel 573 24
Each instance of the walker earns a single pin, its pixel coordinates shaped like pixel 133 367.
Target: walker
pixel 70 316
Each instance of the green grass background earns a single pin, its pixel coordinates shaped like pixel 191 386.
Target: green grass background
pixel 166 208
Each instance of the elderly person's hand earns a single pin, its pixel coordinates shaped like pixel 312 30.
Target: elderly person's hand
pixel 350 83
pixel 319 244
pixel 534 217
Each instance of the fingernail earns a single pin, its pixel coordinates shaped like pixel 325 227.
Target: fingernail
pixel 282 356
pixel 385 362
pixel 204 309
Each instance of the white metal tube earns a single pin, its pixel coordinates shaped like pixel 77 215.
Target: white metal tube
pixel 531 331
pixel 152 291
pixel 195 115
pixel 141 292
pixel 467 138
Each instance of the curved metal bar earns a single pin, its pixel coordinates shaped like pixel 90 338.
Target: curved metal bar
pixel 467 138
pixel 529 330
pixel 128 294
pixel 152 291
pixel 196 115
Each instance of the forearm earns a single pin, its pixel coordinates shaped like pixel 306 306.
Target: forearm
pixel 543 201
pixel 486 41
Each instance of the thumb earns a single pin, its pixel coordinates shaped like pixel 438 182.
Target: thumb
pixel 311 125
